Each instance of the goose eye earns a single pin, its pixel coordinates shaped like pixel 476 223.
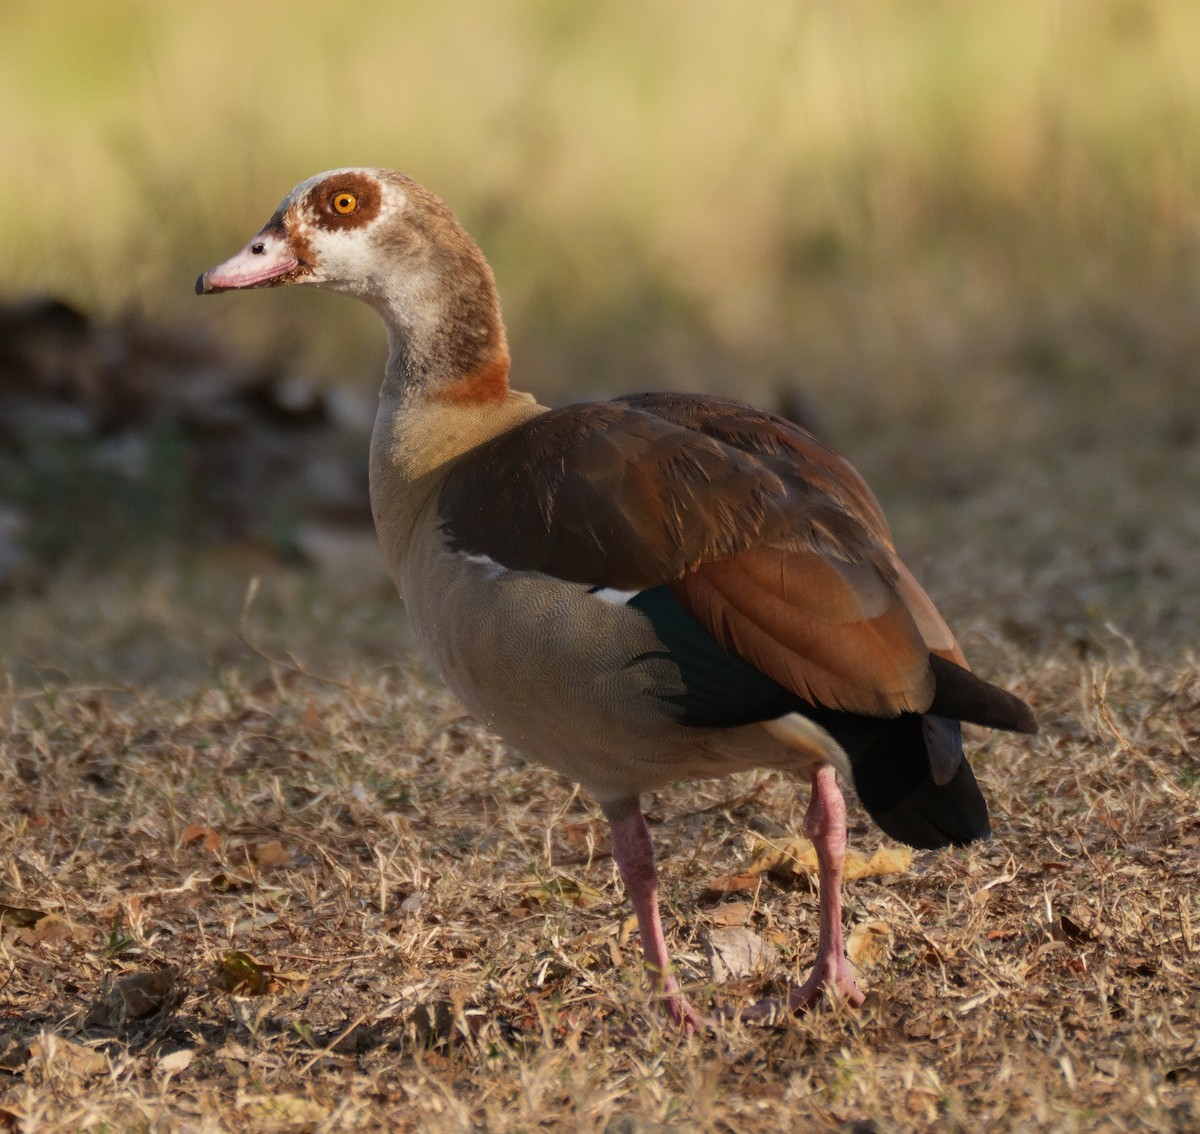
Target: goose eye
pixel 344 203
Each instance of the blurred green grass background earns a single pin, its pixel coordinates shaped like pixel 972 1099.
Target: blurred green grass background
pixel 966 233
pixel 656 185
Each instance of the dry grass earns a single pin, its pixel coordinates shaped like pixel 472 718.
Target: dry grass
pixel 391 860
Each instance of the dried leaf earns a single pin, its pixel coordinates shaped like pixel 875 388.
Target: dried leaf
pixel 52 929
pixel 890 860
pixel 241 975
pixel 588 838
pixel 1066 930
pixel 413 902
pixel 799 857
pixel 133 996
pixel 270 854
pixel 733 913
pixel 18 918
pixel 868 942
pixel 563 890
pixel 736 952
pixel 733 884
pixel 210 841
pixel 259 921
pixel 923 1101
pixel 177 1061
pixel 225 882
pixel 14 1056
pixel 67 1056
pixel 796 856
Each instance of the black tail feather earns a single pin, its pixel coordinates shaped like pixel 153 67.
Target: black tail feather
pixel 965 697
pixel 893 762
pixel 937 815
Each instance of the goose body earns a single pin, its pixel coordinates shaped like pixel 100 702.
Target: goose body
pixel 639 591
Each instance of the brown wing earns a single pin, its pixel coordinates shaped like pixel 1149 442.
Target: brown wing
pixel 607 495
pixel 836 633
pixel 770 540
pixel 780 442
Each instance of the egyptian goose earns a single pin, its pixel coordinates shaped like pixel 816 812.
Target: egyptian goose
pixel 642 590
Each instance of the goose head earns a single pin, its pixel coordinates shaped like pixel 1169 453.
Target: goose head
pixel 378 236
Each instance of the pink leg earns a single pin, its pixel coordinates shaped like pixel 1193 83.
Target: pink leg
pixel 825 826
pixel 634 854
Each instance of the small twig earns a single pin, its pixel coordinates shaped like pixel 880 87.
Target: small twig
pixel 290 663
pixel 360 1019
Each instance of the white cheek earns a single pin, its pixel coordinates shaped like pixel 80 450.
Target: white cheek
pixel 346 256
pixel 348 259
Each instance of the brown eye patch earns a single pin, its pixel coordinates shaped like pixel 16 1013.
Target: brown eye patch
pixel 348 200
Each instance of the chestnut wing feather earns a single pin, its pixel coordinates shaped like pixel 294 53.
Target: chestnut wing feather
pixel 780 442
pixel 607 495
pixel 766 537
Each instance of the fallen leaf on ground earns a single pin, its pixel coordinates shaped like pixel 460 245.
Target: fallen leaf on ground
pixel 733 884
pixel 1067 930
pixel 133 996
pixel 868 942
pixel 52 929
pixel 177 1061
pixel 733 913
pixel 888 860
pixel 799 857
pixel 14 1055
pixel 224 882
pixel 587 837
pixel 567 891
pixel 259 921
pixel 288 1110
pixel 209 840
pixel 18 918
pixel 241 975
pixel 796 856
pixel 413 902
pixel 64 1055
pixel 270 854
pixel 736 952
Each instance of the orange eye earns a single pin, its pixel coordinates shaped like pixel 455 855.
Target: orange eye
pixel 344 203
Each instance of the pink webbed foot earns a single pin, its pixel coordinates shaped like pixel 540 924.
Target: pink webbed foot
pixel 634 856
pixel 835 980
pixel 682 1015
pixel 832 976
pixel 833 985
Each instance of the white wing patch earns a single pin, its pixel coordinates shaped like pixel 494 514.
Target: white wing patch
pixel 612 596
pixel 490 568
pixel 492 571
